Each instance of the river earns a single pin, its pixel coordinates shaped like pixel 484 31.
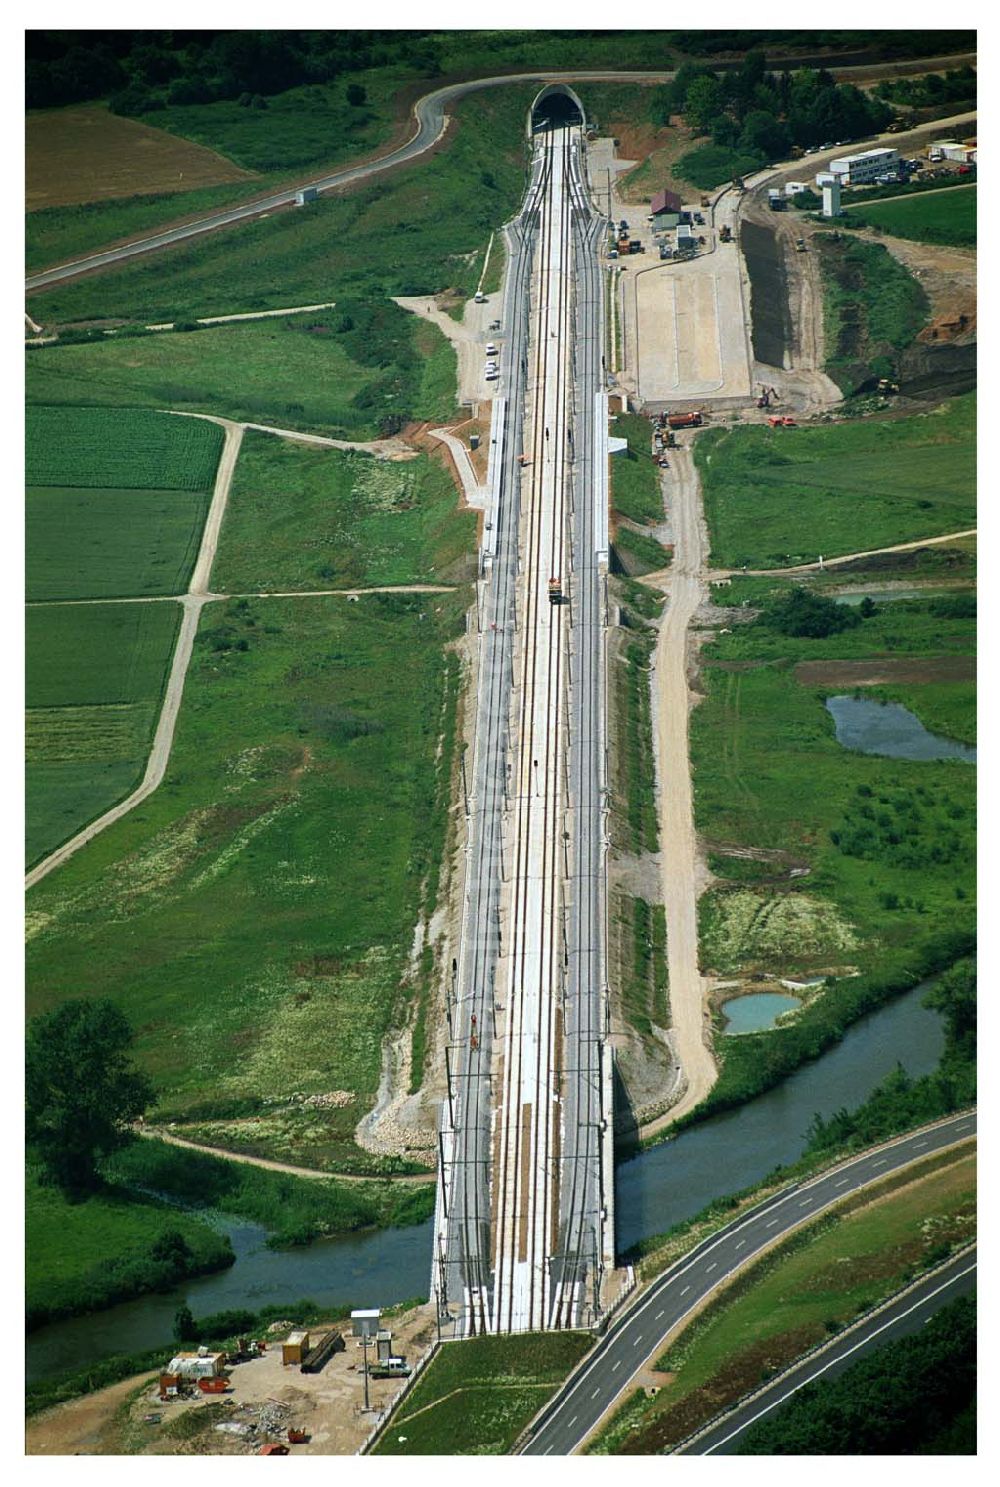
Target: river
pixel 653 1190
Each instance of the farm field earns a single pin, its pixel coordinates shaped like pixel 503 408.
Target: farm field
pixel 307 518
pixel 95 674
pixel 82 1256
pixel 791 1300
pixel 277 873
pixel 776 497
pixel 119 449
pixel 948 220
pixel 476 1396
pixel 85 153
pixel 419 230
pixel 100 544
pixel 341 372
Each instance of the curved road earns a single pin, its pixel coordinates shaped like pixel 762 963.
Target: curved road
pixel 901 1317
pixel 641 1331
pixel 431 121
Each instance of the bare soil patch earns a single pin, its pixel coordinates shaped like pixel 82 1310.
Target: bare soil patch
pixel 656 152
pixel 886 670
pixel 77 155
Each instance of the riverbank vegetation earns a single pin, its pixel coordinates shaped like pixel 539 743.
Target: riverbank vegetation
pixel 776 497
pixel 926 1391
pixel 476 1396
pixel 83 1256
pixel 295 1210
pixel 276 875
pixel 901 1102
pixel 816 1282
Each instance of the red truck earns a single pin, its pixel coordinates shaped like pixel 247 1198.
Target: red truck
pixel 684 421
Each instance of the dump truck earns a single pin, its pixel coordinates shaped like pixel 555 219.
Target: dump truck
pixel 684 421
pixel 725 233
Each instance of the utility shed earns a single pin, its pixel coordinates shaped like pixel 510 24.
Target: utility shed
pixel 200 1365
pixel 665 208
pixel 294 1348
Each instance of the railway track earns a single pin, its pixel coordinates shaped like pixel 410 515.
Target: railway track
pixel 520 1185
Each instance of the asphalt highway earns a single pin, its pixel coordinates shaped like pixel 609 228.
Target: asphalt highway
pixel 640 1332
pixel 902 1317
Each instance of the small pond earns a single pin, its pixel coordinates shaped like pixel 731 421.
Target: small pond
pixel 889 729
pixel 757 1012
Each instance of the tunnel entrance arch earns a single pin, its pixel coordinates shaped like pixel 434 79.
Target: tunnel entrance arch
pixel 554 108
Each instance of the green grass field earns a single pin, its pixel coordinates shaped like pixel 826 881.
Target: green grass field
pixel 775 497
pixel 769 774
pixel 476 1396
pixel 81 1256
pixel 307 518
pixel 254 917
pixel 95 674
pixel 948 219
pixel 61 234
pixel 635 483
pixel 418 230
pixel 119 448
pixel 104 544
pixel 303 371
pixel 812 1286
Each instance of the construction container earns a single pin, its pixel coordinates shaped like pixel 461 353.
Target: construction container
pixel 200 1365
pixel 294 1348
pixel 217 1385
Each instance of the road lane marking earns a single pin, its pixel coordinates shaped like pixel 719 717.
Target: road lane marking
pixel 918 1144
pixel 595 1393
pixel 710 1268
pixel 637 1342
pixel 616 1365
pixel 659 1314
pixel 837 1357
pixel 842 1183
pixel 805 1203
pixel 685 1290
pixel 771 1224
pixel 881 1162
pixel 741 1244
pixel 573 1421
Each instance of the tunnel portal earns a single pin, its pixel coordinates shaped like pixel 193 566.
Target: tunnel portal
pixel 556 107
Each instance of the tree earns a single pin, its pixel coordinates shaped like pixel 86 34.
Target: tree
pixel 811 615
pixel 82 1091
pixel 765 135
pixel 185 1326
pixel 356 95
pixel 703 102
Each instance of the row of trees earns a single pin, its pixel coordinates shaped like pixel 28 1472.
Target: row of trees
pixel 185 67
pixel 765 113
pixel 934 88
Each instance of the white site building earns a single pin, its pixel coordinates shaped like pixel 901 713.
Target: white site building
pixel 860 170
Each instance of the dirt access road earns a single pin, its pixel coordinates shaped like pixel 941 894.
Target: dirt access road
pixel 191 607
pixel 685 584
